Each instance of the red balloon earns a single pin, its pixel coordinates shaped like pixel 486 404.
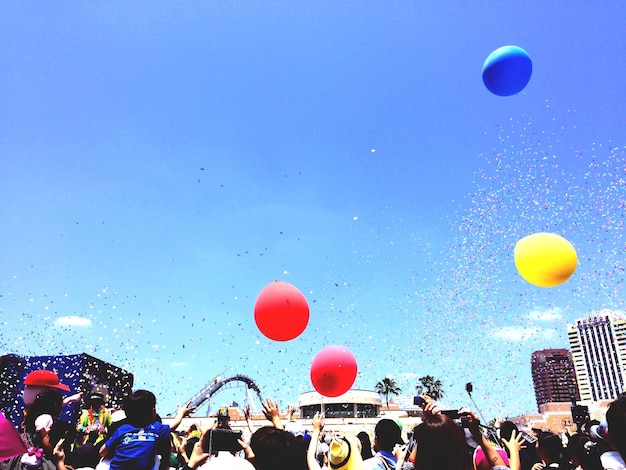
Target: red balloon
pixel 281 312
pixel 333 371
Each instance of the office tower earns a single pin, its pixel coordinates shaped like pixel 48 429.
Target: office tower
pixel 598 345
pixel 553 376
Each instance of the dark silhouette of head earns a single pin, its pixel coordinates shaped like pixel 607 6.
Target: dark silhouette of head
pixel 441 443
pixel 616 421
pixel 386 435
pixel 550 448
pixel 366 445
pixel 277 449
pixel 584 452
pixel 85 456
pixel 140 408
pixel 507 428
pixel 48 402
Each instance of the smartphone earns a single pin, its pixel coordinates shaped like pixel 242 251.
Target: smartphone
pixel 222 439
pixel 419 401
pixel 527 437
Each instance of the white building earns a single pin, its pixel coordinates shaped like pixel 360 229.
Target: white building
pixel 598 346
pixel 352 404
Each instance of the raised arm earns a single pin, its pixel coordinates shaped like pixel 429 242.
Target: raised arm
pixel 429 406
pixel 514 444
pixel 58 455
pixel 311 456
pixel 248 416
pixel 183 411
pixel 198 456
pixel 271 412
pixel 473 425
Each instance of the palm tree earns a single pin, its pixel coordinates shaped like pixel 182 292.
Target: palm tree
pixel 427 385
pixel 387 386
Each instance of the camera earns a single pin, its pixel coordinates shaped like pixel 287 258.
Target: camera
pixel 454 414
pixel 580 415
pixel 222 439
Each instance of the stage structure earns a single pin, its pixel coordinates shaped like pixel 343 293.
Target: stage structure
pixel 80 372
pixel 219 383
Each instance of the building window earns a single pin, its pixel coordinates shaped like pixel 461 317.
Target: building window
pixel 339 410
pixel 366 411
pixel 310 410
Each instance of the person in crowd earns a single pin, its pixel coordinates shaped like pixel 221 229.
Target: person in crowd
pixel 313 461
pixel 94 422
pixel 344 453
pixel 177 456
pixel 85 457
pixel 223 418
pixel 40 380
pixel 277 449
pixel 441 443
pixel 616 434
pixel 189 445
pixel 366 445
pixel 223 460
pixel 528 453
pixel 585 453
pixel 387 434
pixel 193 436
pixel 273 448
pixel 137 443
pixel 43 435
pixel 552 453
pixel 194 432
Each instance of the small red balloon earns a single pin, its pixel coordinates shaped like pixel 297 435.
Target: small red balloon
pixel 281 311
pixel 333 371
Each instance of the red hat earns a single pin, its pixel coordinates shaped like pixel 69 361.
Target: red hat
pixel 45 378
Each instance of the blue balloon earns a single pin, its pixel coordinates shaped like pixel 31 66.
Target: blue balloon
pixel 507 70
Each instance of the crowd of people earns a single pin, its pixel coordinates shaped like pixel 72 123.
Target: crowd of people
pixel 134 438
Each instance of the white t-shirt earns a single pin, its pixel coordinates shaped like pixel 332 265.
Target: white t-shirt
pixel 226 461
pixel 612 460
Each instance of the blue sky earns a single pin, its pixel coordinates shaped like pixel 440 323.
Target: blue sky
pixel 162 162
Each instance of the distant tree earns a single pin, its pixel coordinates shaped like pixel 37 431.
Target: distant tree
pixel 387 387
pixel 428 385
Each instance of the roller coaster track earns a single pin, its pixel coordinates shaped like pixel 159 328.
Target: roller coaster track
pixel 219 383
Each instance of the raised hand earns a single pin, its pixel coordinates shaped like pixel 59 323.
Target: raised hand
pixel 272 413
pixel 318 422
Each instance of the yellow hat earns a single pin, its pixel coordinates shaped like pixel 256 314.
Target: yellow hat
pixel 344 454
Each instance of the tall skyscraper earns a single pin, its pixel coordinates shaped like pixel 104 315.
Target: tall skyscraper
pixel 598 345
pixel 553 376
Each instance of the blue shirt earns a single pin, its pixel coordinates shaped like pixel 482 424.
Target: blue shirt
pixel 136 448
pixel 383 460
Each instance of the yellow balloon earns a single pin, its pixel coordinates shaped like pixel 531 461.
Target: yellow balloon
pixel 545 259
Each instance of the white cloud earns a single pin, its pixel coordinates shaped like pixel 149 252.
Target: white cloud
pixel 73 321
pixel 548 333
pixel 550 314
pixel 176 365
